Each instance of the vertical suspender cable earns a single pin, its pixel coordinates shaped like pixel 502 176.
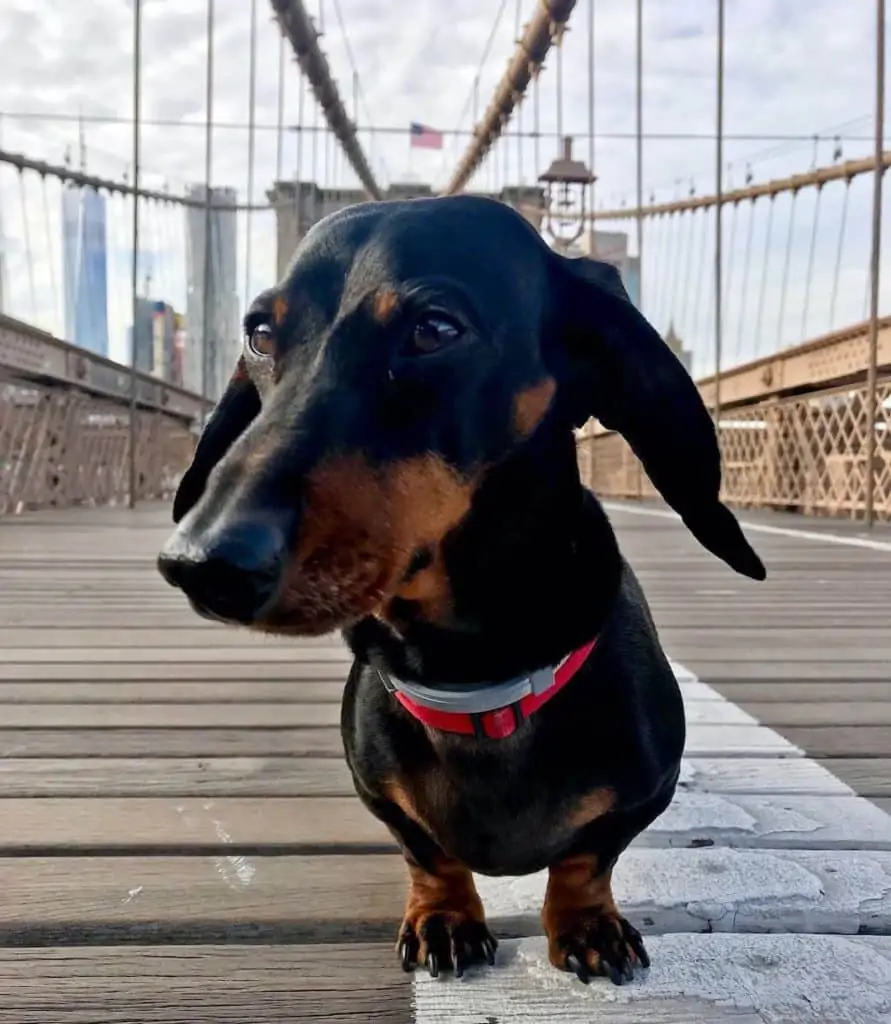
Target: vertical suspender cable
pixel 134 282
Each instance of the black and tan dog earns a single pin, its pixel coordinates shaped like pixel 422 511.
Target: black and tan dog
pixel 394 457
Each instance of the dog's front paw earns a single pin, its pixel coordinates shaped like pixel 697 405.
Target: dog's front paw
pixel 443 940
pixel 591 941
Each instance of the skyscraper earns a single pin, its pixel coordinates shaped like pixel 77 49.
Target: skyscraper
pixel 224 329
pixel 85 268
pixel 155 340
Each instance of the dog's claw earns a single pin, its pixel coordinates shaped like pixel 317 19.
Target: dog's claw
pixel 578 968
pixel 407 952
pixel 637 947
pixel 433 965
pixel 459 960
pixel 447 942
pixel 604 941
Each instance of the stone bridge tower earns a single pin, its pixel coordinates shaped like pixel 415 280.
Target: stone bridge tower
pixel 299 205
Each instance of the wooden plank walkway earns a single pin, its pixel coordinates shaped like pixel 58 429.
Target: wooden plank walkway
pixel 180 840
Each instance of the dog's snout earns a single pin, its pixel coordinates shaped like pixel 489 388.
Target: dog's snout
pixel 232 576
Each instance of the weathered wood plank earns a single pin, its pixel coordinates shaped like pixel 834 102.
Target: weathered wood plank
pixel 801 637
pixel 868 776
pixel 236 896
pixel 819 713
pixel 320 742
pixel 175 777
pixel 744 979
pixel 719 670
pixel 267 715
pixel 159 691
pixel 141 824
pixel 769 691
pixel 132 614
pixel 170 716
pixel 329 776
pixel 312 671
pixel 702 741
pixel 349 984
pixel 841 740
pixel 752 776
pixel 138 635
pixel 762 652
pixel 223 898
pixel 296 690
pixel 211 655
pixel 715 978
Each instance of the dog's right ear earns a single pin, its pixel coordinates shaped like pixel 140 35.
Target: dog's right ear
pixel 622 372
pixel 232 416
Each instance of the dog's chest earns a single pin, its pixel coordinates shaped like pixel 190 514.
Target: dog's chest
pixel 493 818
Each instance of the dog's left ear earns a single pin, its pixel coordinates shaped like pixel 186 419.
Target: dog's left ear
pixel 622 372
pixel 231 416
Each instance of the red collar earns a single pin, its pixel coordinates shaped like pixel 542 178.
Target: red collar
pixel 500 722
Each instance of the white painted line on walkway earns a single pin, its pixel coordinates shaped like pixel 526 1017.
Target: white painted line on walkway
pixel 724 890
pixel 695 979
pixel 780 531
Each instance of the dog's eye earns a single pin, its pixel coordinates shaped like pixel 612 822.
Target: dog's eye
pixel 433 331
pixel 261 341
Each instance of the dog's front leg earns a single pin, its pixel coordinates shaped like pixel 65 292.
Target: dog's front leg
pixel 444 925
pixel 586 933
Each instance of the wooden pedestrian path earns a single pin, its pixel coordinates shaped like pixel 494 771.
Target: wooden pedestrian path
pixel 180 841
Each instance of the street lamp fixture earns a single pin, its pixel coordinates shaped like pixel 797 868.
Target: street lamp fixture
pixel 566 182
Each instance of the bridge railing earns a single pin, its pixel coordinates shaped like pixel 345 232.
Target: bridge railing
pixel 65 426
pixel 793 432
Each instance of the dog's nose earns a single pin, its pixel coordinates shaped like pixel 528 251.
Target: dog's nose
pixel 233 575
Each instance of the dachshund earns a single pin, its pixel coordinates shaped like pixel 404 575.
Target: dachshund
pixel 394 458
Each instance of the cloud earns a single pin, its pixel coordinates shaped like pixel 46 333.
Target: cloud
pixel 791 69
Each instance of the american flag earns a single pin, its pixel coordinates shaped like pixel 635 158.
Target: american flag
pixel 423 137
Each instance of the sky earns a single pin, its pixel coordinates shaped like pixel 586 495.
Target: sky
pixel 792 69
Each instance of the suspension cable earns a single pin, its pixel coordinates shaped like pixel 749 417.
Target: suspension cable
pixel 559 86
pixel 536 123
pixel 764 268
pixel 660 266
pixel 786 265
pixel 590 116
pixel 280 119
pixel 298 174
pixel 728 279
pixel 252 134
pixel 684 275
pixel 838 258
pixel 54 286
pixel 747 262
pixel 682 313
pixel 702 275
pixel 810 264
pixel 29 255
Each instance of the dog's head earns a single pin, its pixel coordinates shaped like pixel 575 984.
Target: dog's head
pixel 410 349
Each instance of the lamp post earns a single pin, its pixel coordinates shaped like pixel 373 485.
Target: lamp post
pixel 567 183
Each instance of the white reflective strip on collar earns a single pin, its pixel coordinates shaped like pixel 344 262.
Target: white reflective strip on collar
pixel 473 699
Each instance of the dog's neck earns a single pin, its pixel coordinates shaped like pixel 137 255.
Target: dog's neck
pixel 533 572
